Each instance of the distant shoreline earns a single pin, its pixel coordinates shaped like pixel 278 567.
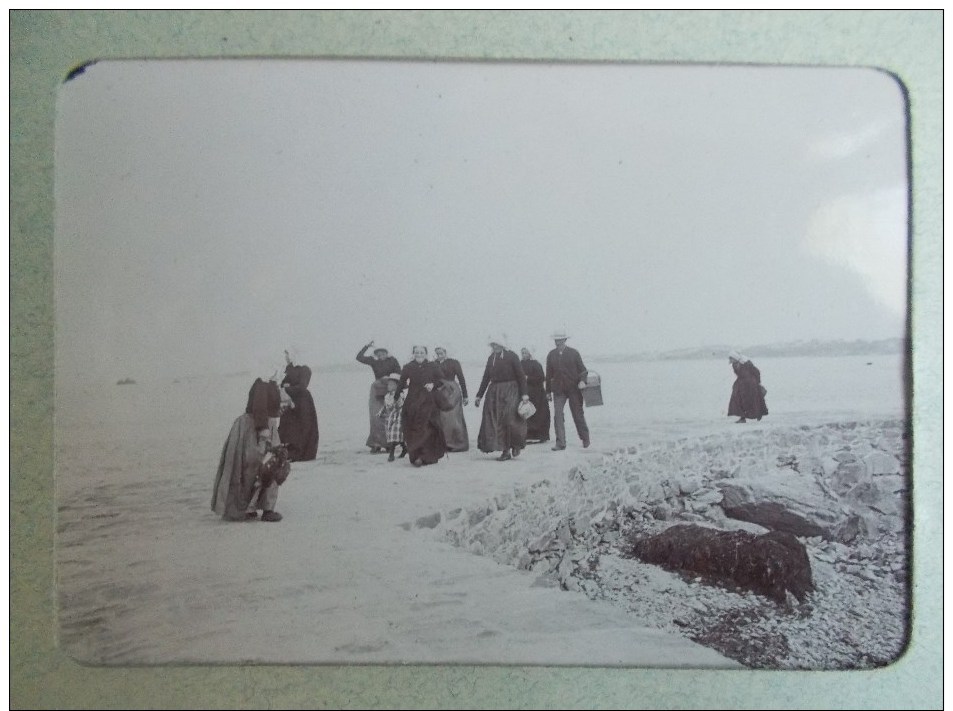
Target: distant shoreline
pixel 795 349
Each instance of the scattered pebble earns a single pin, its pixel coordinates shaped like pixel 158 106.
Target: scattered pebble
pixel 574 532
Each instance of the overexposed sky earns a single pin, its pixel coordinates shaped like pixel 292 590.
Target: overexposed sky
pixel 211 213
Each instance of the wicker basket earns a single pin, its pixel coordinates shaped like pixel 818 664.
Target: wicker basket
pixel 592 393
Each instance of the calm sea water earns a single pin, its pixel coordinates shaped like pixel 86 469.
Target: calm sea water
pixel 113 421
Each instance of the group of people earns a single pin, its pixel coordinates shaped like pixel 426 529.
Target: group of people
pixel 419 406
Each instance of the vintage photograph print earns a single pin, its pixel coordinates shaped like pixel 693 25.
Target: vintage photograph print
pixel 401 362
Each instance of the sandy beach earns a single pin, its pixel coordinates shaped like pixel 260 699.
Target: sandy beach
pixel 356 572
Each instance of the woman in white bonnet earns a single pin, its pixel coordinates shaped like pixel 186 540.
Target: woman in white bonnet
pixel 747 395
pixel 504 383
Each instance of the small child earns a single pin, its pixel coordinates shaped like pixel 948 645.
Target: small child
pixel 392 419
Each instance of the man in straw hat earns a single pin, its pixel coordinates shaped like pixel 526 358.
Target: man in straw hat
pixel 565 379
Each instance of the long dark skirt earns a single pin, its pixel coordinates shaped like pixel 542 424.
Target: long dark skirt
pixel 452 422
pixel 746 400
pixel 238 468
pixel 377 436
pixel 299 427
pixel 422 433
pixel 537 426
pixel 502 427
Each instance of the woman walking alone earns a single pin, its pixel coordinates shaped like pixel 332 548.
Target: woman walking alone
pixel 747 395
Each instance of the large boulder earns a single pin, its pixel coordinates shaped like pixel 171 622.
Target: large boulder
pixel 776 517
pixel 771 564
pixel 799 494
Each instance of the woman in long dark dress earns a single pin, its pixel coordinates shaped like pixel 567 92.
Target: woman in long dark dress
pixel 383 364
pixel 502 429
pixel 422 433
pixel 299 424
pixel 747 395
pixel 452 421
pixel 238 492
pixel 537 426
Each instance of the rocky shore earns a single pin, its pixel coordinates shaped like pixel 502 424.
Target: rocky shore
pixel 839 492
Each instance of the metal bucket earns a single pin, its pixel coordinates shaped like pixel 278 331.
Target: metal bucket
pixel 592 393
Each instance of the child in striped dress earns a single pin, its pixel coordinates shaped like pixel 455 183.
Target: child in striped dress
pixel 391 412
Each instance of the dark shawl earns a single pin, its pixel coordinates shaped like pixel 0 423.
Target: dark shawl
pixel 746 398
pixel 452 370
pixel 264 401
pixel 503 368
pixel 237 470
pixel 299 425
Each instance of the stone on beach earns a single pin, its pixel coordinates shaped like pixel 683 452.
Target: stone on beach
pixel 775 517
pixel 847 475
pixel 430 521
pixel 688 485
pixel 878 463
pixel 772 564
pixel 784 483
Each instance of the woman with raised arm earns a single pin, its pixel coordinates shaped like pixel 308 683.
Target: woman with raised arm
pixel 383 364
pixel 298 428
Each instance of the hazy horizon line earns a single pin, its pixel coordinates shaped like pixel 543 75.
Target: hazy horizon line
pixel 790 349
